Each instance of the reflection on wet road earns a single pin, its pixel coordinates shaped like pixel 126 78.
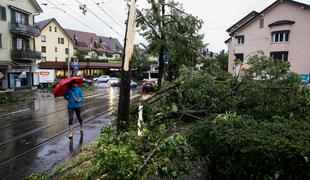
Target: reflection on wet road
pixel 26 127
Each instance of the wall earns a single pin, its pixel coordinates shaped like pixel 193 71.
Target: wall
pixel 52 42
pixel 260 39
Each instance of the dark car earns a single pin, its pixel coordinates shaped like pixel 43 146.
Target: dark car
pixel 149 85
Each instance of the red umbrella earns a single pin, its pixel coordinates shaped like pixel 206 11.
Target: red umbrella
pixel 62 87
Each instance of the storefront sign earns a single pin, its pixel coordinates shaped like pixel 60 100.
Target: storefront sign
pixel 44 73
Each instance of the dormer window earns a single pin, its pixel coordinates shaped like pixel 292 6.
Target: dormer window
pixel 280 36
pixel 240 40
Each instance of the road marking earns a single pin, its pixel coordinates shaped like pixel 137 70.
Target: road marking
pixel 15 112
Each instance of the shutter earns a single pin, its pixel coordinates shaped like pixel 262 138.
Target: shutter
pixel 13 16
pixel 0 40
pixel 2 13
pixel 26 19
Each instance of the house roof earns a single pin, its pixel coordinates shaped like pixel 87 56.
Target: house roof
pixel 43 24
pixel 36 5
pixel 247 20
pixel 87 41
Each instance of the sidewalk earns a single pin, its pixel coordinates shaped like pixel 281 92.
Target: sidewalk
pixel 55 152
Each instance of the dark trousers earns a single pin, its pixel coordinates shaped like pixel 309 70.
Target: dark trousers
pixel 78 115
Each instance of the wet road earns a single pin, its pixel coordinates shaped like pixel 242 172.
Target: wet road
pixel 27 132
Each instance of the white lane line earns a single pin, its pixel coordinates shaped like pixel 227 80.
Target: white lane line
pixel 15 112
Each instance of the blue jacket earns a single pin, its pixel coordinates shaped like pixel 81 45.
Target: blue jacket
pixel 78 93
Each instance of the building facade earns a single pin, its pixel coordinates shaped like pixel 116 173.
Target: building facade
pixel 281 31
pixel 54 44
pixel 17 45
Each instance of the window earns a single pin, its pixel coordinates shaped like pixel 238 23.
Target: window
pixel 43 38
pixel 280 36
pixel 67 59
pixel 43 58
pixel 19 17
pixel 0 40
pixel 239 56
pixel 43 49
pixel 56 59
pixel 50 28
pixel 2 13
pixel 279 55
pixel 67 51
pixel 55 29
pixel 19 80
pixel 59 40
pixel 56 50
pixel 240 39
pixel 261 23
pixel 62 41
pixel 20 44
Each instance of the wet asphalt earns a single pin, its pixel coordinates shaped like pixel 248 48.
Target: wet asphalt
pixel 33 135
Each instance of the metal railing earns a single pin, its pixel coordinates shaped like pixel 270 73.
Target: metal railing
pixel 25 55
pixel 24 29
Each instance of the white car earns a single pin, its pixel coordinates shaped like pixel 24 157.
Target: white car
pixel 104 79
pixel 114 81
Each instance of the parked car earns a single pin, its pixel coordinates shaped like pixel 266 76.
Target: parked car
pixel 104 79
pixel 114 81
pixel 149 85
pixel 133 84
pixel 88 81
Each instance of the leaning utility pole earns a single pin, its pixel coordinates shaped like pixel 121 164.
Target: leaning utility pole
pixel 124 97
pixel 161 60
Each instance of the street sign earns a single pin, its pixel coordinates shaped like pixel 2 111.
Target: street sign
pixel 76 65
pixel 166 57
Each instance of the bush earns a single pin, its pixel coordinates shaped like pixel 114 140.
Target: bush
pixel 244 148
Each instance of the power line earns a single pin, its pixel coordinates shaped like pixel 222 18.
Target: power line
pixel 98 4
pixel 82 5
pixel 72 16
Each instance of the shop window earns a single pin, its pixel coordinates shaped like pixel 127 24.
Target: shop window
pixel 19 80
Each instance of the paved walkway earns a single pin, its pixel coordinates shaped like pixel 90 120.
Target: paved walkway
pixel 55 152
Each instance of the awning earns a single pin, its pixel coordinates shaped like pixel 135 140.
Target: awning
pixel 82 65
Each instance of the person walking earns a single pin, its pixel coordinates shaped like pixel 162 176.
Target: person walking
pixel 74 96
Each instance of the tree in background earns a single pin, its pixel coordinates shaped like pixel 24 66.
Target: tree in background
pixel 141 61
pixel 176 33
pixel 222 59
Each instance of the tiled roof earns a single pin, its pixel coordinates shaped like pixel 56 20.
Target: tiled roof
pixel 42 24
pixel 91 42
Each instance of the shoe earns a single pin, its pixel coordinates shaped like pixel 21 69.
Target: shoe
pixel 70 132
pixel 81 128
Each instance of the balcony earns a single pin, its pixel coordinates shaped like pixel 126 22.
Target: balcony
pixel 24 29
pixel 25 55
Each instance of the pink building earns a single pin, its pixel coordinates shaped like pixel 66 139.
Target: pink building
pixel 281 31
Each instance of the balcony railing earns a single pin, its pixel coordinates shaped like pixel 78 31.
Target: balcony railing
pixel 25 55
pixel 24 29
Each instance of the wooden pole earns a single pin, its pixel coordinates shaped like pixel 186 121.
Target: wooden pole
pixel 124 97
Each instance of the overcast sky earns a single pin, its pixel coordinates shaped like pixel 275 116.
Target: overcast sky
pixel 218 15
